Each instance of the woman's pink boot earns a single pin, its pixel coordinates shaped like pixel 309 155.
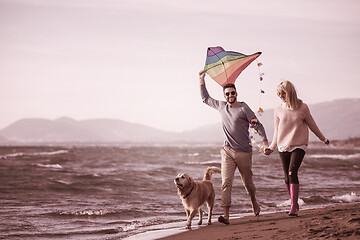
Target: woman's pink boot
pixel 294 195
pixel 288 188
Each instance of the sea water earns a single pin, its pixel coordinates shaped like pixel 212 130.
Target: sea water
pixel 122 191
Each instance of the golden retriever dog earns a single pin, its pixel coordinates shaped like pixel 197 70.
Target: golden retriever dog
pixel 195 193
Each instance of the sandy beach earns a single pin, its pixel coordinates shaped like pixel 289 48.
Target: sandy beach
pixel 332 222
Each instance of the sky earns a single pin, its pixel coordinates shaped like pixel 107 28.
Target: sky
pixel 138 60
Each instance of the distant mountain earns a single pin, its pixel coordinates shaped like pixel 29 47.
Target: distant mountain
pixel 339 119
pixel 112 130
pixel 4 140
pixel 43 130
pixel 69 130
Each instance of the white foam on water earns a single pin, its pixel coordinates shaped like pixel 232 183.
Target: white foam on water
pixel 204 163
pixel 18 154
pixel 347 198
pixel 193 154
pixel 57 166
pixel 336 156
pixel 12 155
pixel 87 212
pixel 49 153
pixel 135 225
pixel 287 203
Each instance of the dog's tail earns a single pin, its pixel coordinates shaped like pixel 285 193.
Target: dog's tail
pixel 209 171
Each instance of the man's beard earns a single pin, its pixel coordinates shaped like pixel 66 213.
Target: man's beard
pixel 231 100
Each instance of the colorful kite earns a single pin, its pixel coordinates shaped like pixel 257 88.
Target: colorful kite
pixel 225 66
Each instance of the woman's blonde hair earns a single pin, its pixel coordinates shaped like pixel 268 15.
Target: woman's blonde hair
pixel 292 101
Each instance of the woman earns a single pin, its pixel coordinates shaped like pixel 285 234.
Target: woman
pixel 292 120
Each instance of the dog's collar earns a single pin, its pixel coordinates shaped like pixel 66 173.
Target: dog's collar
pixel 187 195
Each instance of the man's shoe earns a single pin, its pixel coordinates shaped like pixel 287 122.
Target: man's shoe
pixel 223 220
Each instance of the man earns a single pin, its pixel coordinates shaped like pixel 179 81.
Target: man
pixel 236 151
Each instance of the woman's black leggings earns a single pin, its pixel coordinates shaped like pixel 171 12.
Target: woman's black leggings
pixel 291 162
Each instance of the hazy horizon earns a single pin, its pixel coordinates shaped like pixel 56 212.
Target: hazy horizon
pixel 138 60
pixel 190 129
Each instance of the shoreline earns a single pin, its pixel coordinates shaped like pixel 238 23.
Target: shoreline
pixel 338 221
pixel 332 222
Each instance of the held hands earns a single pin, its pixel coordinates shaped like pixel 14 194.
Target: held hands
pixel 268 151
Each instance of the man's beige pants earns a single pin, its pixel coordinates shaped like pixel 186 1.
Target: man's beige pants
pixel 230 160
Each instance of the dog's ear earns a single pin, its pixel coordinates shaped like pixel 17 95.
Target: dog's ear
pixel 191 182
pixel 186 180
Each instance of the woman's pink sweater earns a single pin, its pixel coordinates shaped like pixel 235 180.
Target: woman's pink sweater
pixel 291 127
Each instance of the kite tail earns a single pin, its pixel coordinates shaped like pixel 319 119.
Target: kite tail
pixel 260 111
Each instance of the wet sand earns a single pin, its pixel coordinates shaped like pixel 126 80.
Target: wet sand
pixel 332 222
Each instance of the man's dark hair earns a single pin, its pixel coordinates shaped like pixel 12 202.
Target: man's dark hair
pixel 229 85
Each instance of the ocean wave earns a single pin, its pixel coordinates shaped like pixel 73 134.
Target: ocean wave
pixel 336 156
pixel 193 154
pixel 19 154
pixel 69 234
pixel 125 211
pixel 62 182
pixel 50 153
pixel 57 166
pixel 86 213
pixel 204 163
pixel 12 155
pixel 143 223
pixel 119 226
pixel 317 200
pixel 347 198
pixel 135 225
pixel 287 203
